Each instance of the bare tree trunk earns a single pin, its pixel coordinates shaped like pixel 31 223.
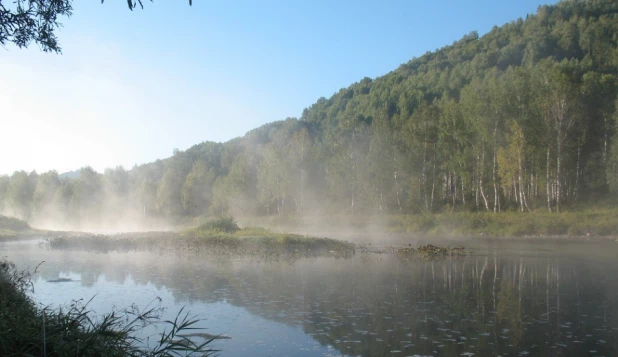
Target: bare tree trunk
pixel 353 172
pixel 605 139
pixel 522 192
pixel 558 164
pixel 302 184
pixel 454 184
pixel 433 177
pixel 481 172
pixel 397 191
pixel 576 188
pixel 476 179
pixel 548 183
pixel 424 176
pixel 493 174
pixel 463 191
pixel 396 182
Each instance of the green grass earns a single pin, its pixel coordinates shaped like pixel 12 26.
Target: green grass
pixel 259 243
pixel 225 224
pixel 591 222
pixel 26 329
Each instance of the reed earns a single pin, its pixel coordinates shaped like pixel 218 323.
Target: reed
pixel 29 330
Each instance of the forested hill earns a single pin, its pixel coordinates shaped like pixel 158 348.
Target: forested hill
pixel 522 118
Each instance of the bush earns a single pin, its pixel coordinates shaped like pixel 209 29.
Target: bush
pixel 225 224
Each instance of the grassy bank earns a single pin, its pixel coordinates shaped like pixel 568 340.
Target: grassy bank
pixel 588 222
pixel 221 238
pixel 26 329
pixel 585 223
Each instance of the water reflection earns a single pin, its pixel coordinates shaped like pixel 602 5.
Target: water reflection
pixel 503 300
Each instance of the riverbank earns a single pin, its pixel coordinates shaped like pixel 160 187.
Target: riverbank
pixel 27 329
pixel 300 232
pixel 593 223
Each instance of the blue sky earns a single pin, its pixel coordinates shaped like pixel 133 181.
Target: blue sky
pixel 132 86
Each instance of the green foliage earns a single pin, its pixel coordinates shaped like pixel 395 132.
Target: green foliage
pixel 224 224
pixel 589 222
pixel 522 118
pixel 37 21
pixel 33 21
pixel 197 189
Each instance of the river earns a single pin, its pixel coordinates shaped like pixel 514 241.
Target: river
pixel 506 298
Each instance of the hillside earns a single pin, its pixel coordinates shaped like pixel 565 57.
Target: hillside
pixel 520 119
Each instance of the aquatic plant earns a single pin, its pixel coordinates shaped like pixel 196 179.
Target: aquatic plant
pixel 428 252
pixel 29 330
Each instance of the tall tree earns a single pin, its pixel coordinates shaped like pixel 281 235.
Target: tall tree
pixel 560 93
pixel 197 189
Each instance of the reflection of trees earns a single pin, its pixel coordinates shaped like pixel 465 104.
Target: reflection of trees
pixel 487 305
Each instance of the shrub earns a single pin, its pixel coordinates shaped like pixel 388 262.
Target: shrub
pixel 224 224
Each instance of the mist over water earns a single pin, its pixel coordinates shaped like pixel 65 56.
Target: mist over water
pixel 506 298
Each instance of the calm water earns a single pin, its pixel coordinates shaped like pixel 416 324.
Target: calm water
pixel 506 299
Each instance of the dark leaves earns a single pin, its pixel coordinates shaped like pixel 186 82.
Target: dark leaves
pixel 33 21
pixel 37 20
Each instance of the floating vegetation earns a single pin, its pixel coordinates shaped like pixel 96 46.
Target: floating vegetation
pixel 207 336
pixel 429 252
pixel 61 280
pixel 406 253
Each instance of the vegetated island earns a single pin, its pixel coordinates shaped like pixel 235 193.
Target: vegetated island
pixel 220 238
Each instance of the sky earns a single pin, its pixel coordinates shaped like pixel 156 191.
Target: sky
pixel 132 86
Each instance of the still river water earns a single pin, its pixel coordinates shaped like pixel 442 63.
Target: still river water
pixel 504 299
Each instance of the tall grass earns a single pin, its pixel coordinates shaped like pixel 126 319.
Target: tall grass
pixel 29 330
pixel 590 222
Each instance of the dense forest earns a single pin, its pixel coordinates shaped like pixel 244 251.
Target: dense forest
pixel 523 118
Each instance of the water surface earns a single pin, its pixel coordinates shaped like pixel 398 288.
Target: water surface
pixel 504 299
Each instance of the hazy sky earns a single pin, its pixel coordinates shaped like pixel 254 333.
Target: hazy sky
pixel 132 86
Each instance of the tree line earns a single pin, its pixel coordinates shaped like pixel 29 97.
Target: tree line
pixel 523 118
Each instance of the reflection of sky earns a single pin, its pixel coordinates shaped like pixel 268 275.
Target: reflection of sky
pixel 503 299
pixel 250 334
